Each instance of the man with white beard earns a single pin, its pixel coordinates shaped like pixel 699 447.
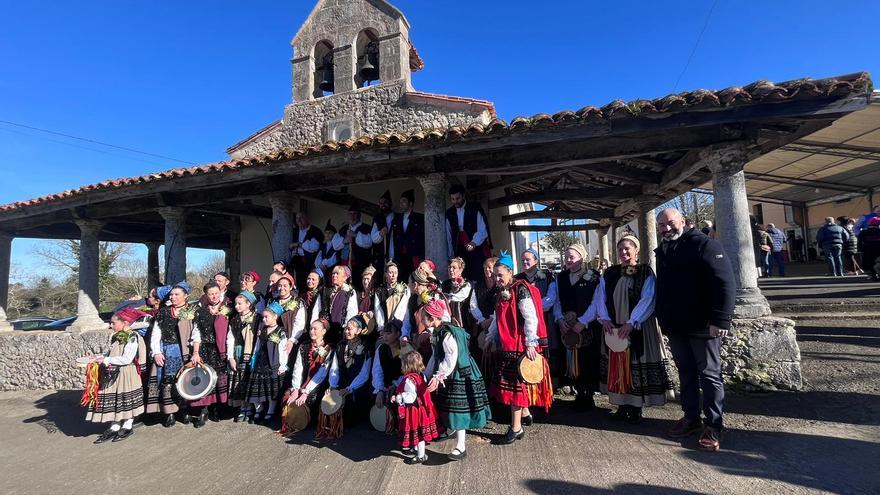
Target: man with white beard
pixel 695 296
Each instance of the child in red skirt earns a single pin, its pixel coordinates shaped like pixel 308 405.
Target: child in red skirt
pixel 418 417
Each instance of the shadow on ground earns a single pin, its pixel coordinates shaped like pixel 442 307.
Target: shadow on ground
pixel 63 413
pixel 557 487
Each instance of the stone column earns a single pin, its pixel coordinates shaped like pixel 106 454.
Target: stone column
pixel 5 259
pixel 604 250
pixel 648 238
pixel 283 220
pixel 233 257
pixel 435 189
pixel 734 227
pixel 153 279
pixel 88 299
pixel 175 244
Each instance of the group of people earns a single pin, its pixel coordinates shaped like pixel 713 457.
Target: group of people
pixel 844 239
pixel 436 355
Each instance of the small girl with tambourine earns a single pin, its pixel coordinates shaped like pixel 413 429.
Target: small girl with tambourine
pixel 418 417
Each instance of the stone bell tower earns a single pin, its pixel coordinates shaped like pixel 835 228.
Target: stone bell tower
pixel 352 67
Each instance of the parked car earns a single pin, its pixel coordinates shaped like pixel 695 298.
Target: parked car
pixel 30 323
pixel 66 322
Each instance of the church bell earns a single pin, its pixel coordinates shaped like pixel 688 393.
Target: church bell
pixel 368 69
pixel 326 83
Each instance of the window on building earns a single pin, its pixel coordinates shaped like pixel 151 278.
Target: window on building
pixel 789 214
pixel 758 212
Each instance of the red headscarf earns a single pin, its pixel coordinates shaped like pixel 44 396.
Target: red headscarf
pixel 437 308
pixel 130 315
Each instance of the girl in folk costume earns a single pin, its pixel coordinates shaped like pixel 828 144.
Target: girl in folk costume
pixel 294 317
pixel 268 364
pixel 639 376
pixel 544 280
pixel 338 303
pixel 517 330
pixel 310 370
pixel 576 288
pixel 170 345
pixel 424 287
pixel 312 294
pixel 461 396
pixel 386 368
pixel 459 294
pixel 350 375
pixel 391 300
pixel 366 298
pixel 418 417
pixel 210 331
pixel 120 396
pixel 328 255
pixel 248 282
pixel 240 342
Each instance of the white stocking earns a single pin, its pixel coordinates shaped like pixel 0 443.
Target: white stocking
pixel 460 437
pixel 128 424
pixel 420 449
pixel 115 426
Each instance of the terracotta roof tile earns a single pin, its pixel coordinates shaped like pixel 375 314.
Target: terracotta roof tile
pixel 760 91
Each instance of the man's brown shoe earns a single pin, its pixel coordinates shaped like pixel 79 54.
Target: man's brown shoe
pixel 684 428
pixel 710 440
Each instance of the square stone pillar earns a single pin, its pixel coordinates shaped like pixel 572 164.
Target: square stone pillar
pixel 394 59
pixel 648 238
pixel 344 66
pixel 604 248
pixel 88 299
pixel 233 256
pixel 284 207
pixel 175 244
pixel 153 279
pixel 5 260
pixel 734 226
pixel 435 188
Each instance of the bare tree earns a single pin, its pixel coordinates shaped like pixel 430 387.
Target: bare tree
pixel 694 206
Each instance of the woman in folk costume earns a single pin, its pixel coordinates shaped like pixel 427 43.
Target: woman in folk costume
pixel 170 346
pixel 386 368
pixel 461 396
pixel 459 294
pixel 350 375
pixel 484 296
pixel 240 342
pixel 312 293
pixel 328 255
pixel 424 287
pixel 576 288
pixel 517 330
pixel 310 370
pixel 418 416
pixel 210 331
pixel 120 396
pixel 294 317
pixel 639 376
pixel 391 300
pixel 544 280
pixel 268 365
pixel 337 304
pixel 366 297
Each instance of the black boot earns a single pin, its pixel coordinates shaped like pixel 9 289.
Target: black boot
pixel 634 415
pixel 201 418
pixel 170 421
pixel 107 435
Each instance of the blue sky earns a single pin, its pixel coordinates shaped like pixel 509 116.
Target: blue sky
pixel 187 79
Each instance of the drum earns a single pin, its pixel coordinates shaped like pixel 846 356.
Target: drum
pixel 379 417
pixel 531 371
pixel 615 343
pixel 195 382
pixel 332 403
pixel 298 418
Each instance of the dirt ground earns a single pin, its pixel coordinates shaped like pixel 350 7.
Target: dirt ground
pixel 825 439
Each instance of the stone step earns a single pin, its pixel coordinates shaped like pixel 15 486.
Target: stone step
pixel 826 306
pixel 829 316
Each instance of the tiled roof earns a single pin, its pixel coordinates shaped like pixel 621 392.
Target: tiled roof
pixel 758 92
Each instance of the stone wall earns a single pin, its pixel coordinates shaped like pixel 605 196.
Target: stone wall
pixel 762 354
pixel 383 108
pixel 46 360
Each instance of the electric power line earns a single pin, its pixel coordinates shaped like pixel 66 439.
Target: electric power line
pixel 95 142
pixel 694 50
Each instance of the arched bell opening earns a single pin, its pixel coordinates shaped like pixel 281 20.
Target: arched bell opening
pixel 367 62
pixel 324 69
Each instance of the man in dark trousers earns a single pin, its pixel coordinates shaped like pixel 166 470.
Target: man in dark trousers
pixel 355 236
pixel 381 232
pixel 695 296
pixel 304 248
pixel 408 236
pixel 467 233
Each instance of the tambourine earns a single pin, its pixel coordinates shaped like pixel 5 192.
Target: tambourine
pixel 615 343
pixel 332 403
pixel 379 417
pixel 531 371
pixel 298 417
pixel 572 340
pixel 196 382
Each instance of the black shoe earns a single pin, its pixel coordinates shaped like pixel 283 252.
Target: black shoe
pixel 169 421
pixel 214 416
pixel 634 416
pixel 123 434
pixel 511 436
pixel 241 417
pixel 527 420
pixel 620 414
pixel 107 435
pixel 200 419
pixel 416 459
pixel 584 402
pixel 251 419
pixel 408 452
pixel 186 419
pixel 457 455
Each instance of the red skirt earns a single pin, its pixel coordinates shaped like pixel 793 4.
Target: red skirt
pixel 418 422
pixel 509 389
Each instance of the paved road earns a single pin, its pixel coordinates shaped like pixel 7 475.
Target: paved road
pixel 825 439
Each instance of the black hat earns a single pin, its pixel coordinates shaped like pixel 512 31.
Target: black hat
pixel 409 194
pixel 329 227
pixel 386 195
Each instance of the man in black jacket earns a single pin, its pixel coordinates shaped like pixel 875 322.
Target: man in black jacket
pixel 695 296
